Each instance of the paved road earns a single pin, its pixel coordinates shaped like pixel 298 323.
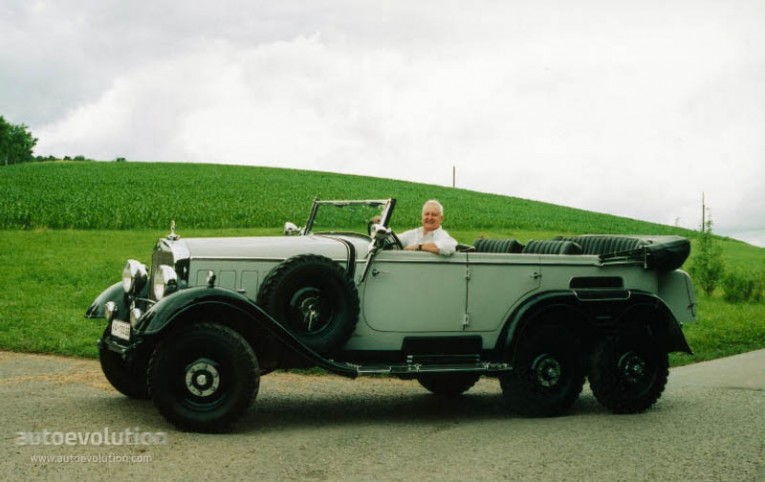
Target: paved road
pixel 709 425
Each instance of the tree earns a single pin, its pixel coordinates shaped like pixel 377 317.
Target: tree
pixel 708 267
pixel 16 143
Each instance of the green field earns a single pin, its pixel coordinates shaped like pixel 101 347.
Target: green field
pixel 90 195
pixel 66 230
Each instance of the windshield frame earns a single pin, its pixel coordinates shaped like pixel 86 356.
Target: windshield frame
pixel 387 211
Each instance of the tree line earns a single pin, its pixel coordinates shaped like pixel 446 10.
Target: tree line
pixel 16 143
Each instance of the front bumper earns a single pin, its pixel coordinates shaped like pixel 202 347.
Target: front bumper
pixel 119 345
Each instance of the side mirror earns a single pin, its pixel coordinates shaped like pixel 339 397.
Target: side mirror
pixel 290 229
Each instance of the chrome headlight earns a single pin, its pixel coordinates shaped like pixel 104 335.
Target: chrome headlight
pixel 134 277
pixel 165 281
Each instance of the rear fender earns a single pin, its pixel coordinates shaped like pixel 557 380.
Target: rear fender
pixel 653 314
pixel 641 310
pixel 551 307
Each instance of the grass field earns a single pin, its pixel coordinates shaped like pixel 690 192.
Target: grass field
pixel 66 230
pixel 90 195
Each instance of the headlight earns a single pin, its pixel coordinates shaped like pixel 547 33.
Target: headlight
pixel 165 281
pixel 133 277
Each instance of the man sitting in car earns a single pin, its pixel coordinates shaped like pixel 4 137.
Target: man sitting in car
pixel 431 236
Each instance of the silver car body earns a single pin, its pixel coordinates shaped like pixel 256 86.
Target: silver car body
pixel 620 299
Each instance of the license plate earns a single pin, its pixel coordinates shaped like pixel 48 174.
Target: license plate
pixel 121 329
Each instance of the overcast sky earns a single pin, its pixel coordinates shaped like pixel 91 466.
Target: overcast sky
pixel 627 107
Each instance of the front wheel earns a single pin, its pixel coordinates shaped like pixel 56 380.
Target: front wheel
pixel 548 373
pixel 128 378
pixel 628 374
pixel 204 377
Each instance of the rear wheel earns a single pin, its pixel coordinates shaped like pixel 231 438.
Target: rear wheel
pixel 448 384
pixel 548 373
pixel 204 378
pixel 628 374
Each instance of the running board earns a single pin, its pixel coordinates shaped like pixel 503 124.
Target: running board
pixel 417 368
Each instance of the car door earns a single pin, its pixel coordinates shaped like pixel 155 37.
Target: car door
pixel 498 282
pixel 409 291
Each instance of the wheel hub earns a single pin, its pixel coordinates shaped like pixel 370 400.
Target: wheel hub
pixel 546 370
pixel 311 313
pixel 633 366
pixel 202 378
pixel 311 309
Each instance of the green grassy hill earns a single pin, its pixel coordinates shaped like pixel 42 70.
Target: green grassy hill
pixel 66 229
pixel 121 195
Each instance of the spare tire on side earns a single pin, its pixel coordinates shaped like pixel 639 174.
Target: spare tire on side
pixel 314 298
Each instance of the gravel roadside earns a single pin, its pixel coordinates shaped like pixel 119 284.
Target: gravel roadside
pixel 62 421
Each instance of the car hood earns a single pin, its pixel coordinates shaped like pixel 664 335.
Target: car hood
pixel 272 247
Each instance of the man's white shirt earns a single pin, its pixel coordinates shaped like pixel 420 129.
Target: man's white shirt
pixel 446 244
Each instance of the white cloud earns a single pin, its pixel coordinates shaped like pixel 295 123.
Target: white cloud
pixel 621 107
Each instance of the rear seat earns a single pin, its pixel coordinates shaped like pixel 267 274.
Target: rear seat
pixel 603 244
pixel 483 245
pixel 585 244
pixel 552 246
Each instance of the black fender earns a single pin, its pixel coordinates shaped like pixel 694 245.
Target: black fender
pixel 530 310
pixel 622 315
pixel 181 307
pixel 115 293
pixel 663 323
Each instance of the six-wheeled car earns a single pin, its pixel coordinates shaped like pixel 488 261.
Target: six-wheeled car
pixel 196 329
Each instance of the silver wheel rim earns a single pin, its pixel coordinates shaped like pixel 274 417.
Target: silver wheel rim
pixel 546 370
pixel 632 366
pixel 202 378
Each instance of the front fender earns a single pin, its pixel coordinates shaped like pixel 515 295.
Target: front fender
pixel 173 307
pixel 115 293
pixel 182 305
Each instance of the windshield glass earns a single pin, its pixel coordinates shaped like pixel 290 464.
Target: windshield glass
pixel 345 216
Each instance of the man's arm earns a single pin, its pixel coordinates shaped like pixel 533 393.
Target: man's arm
pixel 429 247
pixel 444 244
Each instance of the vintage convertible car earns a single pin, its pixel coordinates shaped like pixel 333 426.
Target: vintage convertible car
pixel 197 330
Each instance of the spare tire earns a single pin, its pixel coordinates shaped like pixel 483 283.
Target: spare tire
pixel 314 298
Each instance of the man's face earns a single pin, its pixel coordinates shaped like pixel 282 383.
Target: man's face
pixel 431 217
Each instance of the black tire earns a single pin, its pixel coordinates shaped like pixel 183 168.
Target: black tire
pixel 628 374
pixel 128 378
pixel 548 373
pixel 203 377
pixel 448 384
pixel 315 299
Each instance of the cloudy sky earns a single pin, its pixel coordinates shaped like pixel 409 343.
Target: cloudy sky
pixel 628 107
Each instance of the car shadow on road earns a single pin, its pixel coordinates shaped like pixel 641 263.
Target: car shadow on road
pixel 280 412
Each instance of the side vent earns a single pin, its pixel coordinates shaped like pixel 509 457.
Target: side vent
pixel 596 282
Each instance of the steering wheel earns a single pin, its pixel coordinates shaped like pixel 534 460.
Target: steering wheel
pixel 392 242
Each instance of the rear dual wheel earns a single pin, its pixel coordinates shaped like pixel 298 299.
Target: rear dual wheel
pixel 628 373
pixel 548 372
